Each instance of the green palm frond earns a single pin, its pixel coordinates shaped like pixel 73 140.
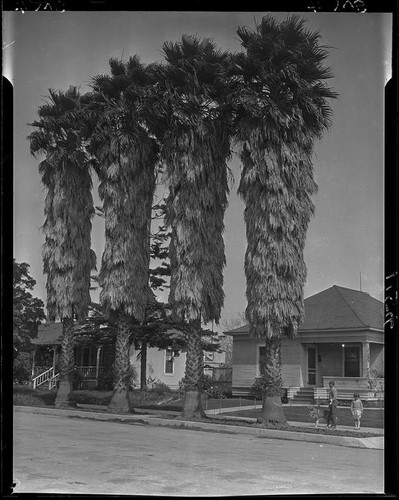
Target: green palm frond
pixel 117 67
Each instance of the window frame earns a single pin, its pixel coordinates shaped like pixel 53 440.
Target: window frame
pixel 171 361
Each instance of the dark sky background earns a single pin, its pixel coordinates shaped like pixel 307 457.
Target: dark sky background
pixel 55 50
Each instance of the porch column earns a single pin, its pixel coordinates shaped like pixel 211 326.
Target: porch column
pixel 54 357
pixel 33 361
pixel 366 359
pixel 98 347
pixel 143 366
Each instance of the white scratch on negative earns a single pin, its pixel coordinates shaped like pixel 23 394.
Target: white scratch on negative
pixel 8 44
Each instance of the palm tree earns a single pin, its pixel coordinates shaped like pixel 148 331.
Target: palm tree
pixel 127 156
pixel 195 149
pixel 281 110
pixel 67 257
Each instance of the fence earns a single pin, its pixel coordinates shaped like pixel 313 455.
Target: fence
pixel 89 371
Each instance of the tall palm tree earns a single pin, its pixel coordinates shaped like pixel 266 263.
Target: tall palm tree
pixel 195 149
pixel 127 156
pixel 281 110
pixel 67 257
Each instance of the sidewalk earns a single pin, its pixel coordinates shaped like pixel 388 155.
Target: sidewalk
pixel 159 418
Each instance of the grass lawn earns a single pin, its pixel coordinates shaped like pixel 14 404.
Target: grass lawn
pixel 291 428
pixel 26 396
pixel 371 417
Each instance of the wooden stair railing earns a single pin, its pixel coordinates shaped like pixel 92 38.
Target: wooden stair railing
pixel 53 381
pixel 47 376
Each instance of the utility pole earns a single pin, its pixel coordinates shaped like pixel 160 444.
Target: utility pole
pixel 360 273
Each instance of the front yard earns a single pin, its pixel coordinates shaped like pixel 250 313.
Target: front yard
pixel 26 396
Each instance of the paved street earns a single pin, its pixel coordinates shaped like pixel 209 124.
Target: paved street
pixel 56 454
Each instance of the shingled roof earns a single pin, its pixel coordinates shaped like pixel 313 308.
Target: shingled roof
pixel 338 308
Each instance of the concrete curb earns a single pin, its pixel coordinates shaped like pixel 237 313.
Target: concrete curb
pixel 353 442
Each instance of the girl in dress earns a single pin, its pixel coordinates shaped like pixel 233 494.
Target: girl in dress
pixel 357 409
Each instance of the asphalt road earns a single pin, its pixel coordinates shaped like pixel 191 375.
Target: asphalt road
pixel 56 454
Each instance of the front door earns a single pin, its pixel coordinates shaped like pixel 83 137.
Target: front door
pixel 86 356
pixel 312 365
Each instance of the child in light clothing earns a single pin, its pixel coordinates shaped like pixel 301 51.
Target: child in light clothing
pixel 357 409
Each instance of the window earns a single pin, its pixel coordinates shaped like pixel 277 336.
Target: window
pixel 169 361
pixel 209 356
pixel 351 361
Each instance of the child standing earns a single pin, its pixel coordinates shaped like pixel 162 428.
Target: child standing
pixel 332 418
pixel 357 409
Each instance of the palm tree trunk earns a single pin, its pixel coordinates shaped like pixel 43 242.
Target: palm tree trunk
pixel 272 408
pixel 194 371
pixel 120 400
pixel 67 364
pixel 143 366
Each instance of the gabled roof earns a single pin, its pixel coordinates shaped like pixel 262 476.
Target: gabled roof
pixel 338 308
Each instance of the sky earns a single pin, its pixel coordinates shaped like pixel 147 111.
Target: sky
pixel 344 246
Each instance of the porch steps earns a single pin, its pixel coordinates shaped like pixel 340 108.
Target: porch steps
pixel 304 396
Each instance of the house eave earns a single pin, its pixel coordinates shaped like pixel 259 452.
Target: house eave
pixel 328 336
pixel 355 329
pixel 320 330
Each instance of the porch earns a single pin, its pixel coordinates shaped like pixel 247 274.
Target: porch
pixel 354 367
pixel 350 364
pixel 368 389
pixel 92 363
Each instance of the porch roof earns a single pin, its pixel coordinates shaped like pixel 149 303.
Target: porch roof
pixel 337 308
pixel 48 334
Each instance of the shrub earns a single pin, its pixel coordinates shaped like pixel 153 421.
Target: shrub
pixel 77 380
pixel 374 403
pixel 210 388
pixel 257 390
pixel 105 381
pixel 182 385
pixel 91 397
pixel 215 392
pixel 27 396
pixel 159 387
pixel 206 383
pixel 22 368
pixel 376 382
